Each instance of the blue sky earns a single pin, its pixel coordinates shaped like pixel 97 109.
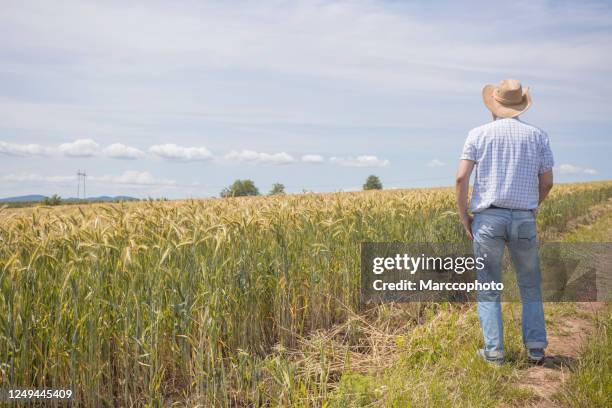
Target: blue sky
pixel 178 99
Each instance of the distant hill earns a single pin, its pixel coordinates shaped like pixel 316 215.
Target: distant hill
pixel 101 198
pixel 37 198
pixel 22 199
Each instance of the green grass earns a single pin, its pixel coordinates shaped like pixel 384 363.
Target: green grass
pixel 598 231
pixel 590 383
pixel 437 366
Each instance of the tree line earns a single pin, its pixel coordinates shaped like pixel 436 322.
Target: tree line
pixel 242 188
pixel 245 188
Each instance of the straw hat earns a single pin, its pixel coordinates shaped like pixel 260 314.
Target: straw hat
pixel 506 100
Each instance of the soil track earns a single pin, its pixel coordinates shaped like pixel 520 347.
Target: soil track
pixel 566 341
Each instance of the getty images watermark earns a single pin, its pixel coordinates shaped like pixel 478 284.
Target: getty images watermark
pixel 404 272
pixel 425 263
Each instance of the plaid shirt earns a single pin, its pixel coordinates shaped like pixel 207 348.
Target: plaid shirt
pixel 509 155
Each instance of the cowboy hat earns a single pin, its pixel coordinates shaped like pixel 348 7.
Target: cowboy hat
pixel 506 100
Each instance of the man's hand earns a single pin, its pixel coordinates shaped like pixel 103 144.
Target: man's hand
pixel 462 185
pixel 545 184
pixel 466 220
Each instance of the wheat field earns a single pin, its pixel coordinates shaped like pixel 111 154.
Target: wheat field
pixel 160 303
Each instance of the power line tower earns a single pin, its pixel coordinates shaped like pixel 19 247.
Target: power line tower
pixel 81 176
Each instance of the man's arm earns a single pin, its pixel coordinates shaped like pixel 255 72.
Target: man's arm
pixel 545 184
pixel 462 186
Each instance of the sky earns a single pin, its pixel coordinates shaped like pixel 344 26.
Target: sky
pixel 178 99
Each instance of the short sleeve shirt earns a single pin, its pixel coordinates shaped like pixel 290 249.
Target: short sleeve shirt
pixel 509 155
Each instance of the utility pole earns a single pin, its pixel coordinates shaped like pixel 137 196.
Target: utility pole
pixel 79 175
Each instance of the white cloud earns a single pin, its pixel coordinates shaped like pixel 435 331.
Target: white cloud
pixel 312 158
pixel 80 148
pixel 133 177
pixel 251 156
pixel 360 161
pixel 15 149
pixel 171 151
pixel 436 163
pixel 573 169
pixel 121 151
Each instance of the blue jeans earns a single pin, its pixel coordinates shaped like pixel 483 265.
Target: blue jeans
pixel 493 229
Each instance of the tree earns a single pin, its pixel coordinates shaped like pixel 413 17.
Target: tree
pixel 373 183
pixel 240 188
pixel 53 200
pixel 277 188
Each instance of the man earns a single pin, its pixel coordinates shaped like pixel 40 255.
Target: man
pixel 513 164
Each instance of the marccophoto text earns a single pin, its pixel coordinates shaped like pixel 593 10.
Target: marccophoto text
pixel 406 285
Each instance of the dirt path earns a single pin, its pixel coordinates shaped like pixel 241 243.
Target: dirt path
pixel 566 340
pixel 569 335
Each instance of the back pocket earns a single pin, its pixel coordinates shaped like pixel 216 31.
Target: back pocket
pixel 527 231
